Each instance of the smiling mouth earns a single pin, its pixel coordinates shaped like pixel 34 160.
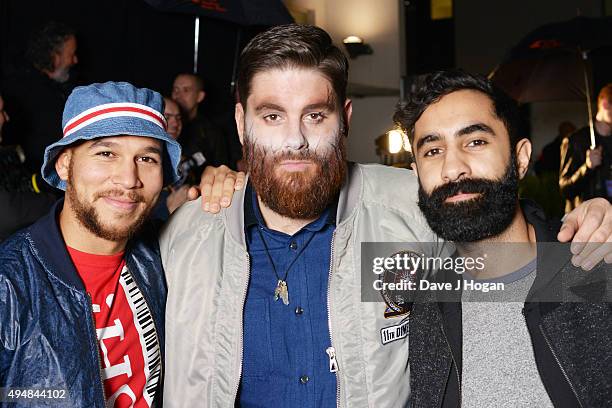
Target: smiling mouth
pixel 459 197
pixel 124 204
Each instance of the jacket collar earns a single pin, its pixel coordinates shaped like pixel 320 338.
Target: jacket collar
pixel 49 247
pixel 350 195
pixel 553 256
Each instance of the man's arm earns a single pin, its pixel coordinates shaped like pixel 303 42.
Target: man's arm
pixel 588 226
pixel 217 187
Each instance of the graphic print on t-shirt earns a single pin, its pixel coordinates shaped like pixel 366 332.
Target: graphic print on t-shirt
pixel 129 351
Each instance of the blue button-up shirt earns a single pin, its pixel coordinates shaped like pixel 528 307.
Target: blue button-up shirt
pixel 285 363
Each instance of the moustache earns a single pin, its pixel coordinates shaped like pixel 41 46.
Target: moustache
pixel 305 154
pixel 118 194
pixel 465 186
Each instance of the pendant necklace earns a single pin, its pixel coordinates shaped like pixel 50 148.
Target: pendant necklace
pixel 282 291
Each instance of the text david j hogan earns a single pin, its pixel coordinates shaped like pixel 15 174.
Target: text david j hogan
pixel 423 284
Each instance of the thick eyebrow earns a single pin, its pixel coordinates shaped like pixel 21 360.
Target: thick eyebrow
pixel 476 127
pixel 320 106
pixel 153 149
pixel 107 144
pixel 428 139
pixel 269 106
pixel 102 143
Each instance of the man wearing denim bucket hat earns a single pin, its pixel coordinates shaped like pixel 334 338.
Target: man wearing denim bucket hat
pixel 82 292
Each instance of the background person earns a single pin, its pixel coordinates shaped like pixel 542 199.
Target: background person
pixel 36 95
pixel 585 172
pixel 216 140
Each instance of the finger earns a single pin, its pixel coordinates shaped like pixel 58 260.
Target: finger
pixel 568 229
pixel 193 193
pixel 598 254
pixel 206 186
pixel 217 192
pixel 228 190
pixel 581 258
pixel 240 181
pixel 593 219
pixel 597 247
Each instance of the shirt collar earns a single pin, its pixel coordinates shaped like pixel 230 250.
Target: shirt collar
pixel 252 213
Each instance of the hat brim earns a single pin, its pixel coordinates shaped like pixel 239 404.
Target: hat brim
pixel 114 127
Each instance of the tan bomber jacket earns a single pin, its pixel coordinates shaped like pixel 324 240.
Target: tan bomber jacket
pixel 207 268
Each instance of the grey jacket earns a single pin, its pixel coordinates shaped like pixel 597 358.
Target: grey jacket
pixel 207 268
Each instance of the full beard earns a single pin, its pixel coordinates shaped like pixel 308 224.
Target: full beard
pixel 87 215
pixel 297 195
pixel 486 216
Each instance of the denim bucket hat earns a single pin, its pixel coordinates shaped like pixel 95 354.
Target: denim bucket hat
pixel 112 109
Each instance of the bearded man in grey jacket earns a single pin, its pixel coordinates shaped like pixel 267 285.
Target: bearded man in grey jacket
pixel 265 305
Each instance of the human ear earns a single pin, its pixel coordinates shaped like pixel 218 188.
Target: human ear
pixel 523 155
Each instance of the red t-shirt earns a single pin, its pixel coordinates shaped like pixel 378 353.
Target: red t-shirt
pixel 129 350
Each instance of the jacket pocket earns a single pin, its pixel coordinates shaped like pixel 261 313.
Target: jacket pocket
pixel 257 355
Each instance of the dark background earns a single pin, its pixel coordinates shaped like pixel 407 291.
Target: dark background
pixel 128 40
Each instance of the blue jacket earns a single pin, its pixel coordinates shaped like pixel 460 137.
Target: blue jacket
pixel 47 333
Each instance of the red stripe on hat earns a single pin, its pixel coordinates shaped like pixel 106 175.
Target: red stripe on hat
pixel 115 109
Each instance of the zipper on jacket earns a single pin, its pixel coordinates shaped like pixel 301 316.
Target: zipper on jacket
pixel 331 337
pixel 333 363
pixel 246 288
pixel 161 360
pixel 455 364
pixel 558 363
pixel 97 348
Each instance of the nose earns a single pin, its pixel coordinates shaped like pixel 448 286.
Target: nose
pixel 126 175
pixel 295 139
pixel 455 167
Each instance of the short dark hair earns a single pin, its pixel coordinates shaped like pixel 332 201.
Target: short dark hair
pixel 46 41
pixel 430 88
pixel 293 45
pixel 199 82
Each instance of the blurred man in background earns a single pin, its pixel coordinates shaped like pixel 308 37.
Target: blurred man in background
pixel 585 172
pixel 36 95
pixel 173 116
pixel 173 196
pixel 550 159
pixel 215 139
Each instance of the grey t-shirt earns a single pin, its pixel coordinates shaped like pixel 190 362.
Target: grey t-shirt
pixel 499 368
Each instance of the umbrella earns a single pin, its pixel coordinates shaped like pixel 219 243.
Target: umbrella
pixel 241 12
pixel 553 62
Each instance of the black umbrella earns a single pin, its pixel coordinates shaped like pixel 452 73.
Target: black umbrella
pixel 244 13
pixel 553 62
pixel 241 12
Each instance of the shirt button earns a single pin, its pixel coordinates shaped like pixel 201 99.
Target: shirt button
pixel 299 310
pixel 293 245
pixel 304 379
